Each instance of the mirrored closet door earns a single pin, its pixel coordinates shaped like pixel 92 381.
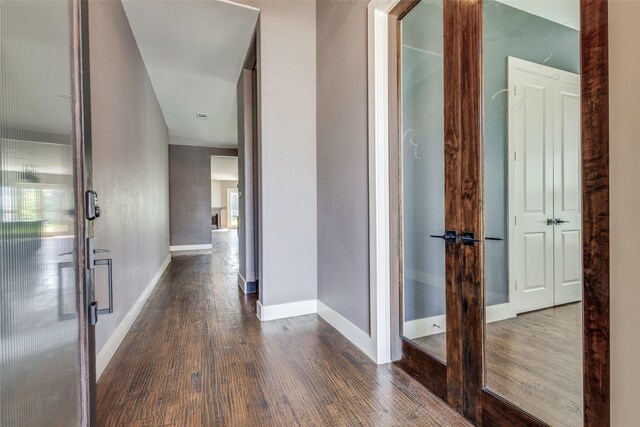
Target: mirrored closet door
pixel 498 123
pixel 532 206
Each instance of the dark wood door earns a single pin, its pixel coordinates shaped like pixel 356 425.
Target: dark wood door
pixel 443 135
pixel 427 192
pixel 549 367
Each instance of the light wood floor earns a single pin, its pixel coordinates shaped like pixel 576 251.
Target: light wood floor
pixel 198 356
pixel 535 361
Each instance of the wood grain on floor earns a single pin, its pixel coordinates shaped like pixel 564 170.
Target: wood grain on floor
pixel 198 356
pixel 534 361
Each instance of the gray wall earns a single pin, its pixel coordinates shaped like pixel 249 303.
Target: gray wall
pixel 246 168
pixel 511 32
pixel 287 152
pixel 130 163
pixel 190 192
pixel 343 227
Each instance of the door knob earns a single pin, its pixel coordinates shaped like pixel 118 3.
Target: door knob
pixel 559 221
pixel 469 239
pixel 450 236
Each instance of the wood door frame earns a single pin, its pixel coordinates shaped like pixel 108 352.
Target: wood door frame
pixel 443 378
pixel 81 117
pixel 478 403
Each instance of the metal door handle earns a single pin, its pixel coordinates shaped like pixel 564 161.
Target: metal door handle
pixel 450 236
pixel 109 263
pixel 468 238
pixel 551 221
pixel 560 221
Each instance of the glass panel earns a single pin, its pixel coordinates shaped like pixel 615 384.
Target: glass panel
pixel 532 191
pixel 39 343
pixel 423 177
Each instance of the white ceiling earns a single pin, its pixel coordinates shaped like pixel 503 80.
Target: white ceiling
pixel 194 51
pixel 224 168
pixel 564 12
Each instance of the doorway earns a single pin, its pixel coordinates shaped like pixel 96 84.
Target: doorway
pixel 224 178
pixel 489 125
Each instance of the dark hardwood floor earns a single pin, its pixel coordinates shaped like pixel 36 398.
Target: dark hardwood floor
pixel 534 360
pixel 198 356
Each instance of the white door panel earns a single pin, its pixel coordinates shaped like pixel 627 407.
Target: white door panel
pixel 531 106
pixel 567 194
pixel 545 258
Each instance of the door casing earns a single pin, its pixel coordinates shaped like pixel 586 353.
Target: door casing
pixel 460 381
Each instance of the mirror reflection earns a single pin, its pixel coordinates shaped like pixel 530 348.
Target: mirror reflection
pixel 423 177
pixel 532 190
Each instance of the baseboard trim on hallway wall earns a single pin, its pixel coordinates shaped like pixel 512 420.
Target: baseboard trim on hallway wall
pixel 247 287
pixel 106 353
pixel 282 311
pixel 357 336
pixel 178 248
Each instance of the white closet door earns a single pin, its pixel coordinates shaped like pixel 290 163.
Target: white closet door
pixel 531 110
pixel 567 192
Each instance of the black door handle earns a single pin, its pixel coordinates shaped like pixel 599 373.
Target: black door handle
pixel 559 221
pixel 469 238
pixel 450 236
pixel 493 238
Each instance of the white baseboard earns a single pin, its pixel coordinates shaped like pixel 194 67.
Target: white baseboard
pixel 499 312
pixel 247 287
pixel 282 311
pixel 112 344
pixel 425 326
pixel 437 324
pixel 190 247
pixel 357 336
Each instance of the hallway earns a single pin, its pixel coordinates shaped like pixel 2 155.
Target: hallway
pixel 198 356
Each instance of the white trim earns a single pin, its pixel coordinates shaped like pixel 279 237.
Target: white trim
pixel 190 247
pixel 357 336
pixel 427 325
pixel 108 350
pixel 282 311
pixel 247 287
pixel 379 209
pixel 499 312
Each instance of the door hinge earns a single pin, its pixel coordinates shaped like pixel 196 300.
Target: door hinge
pixel 516 285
